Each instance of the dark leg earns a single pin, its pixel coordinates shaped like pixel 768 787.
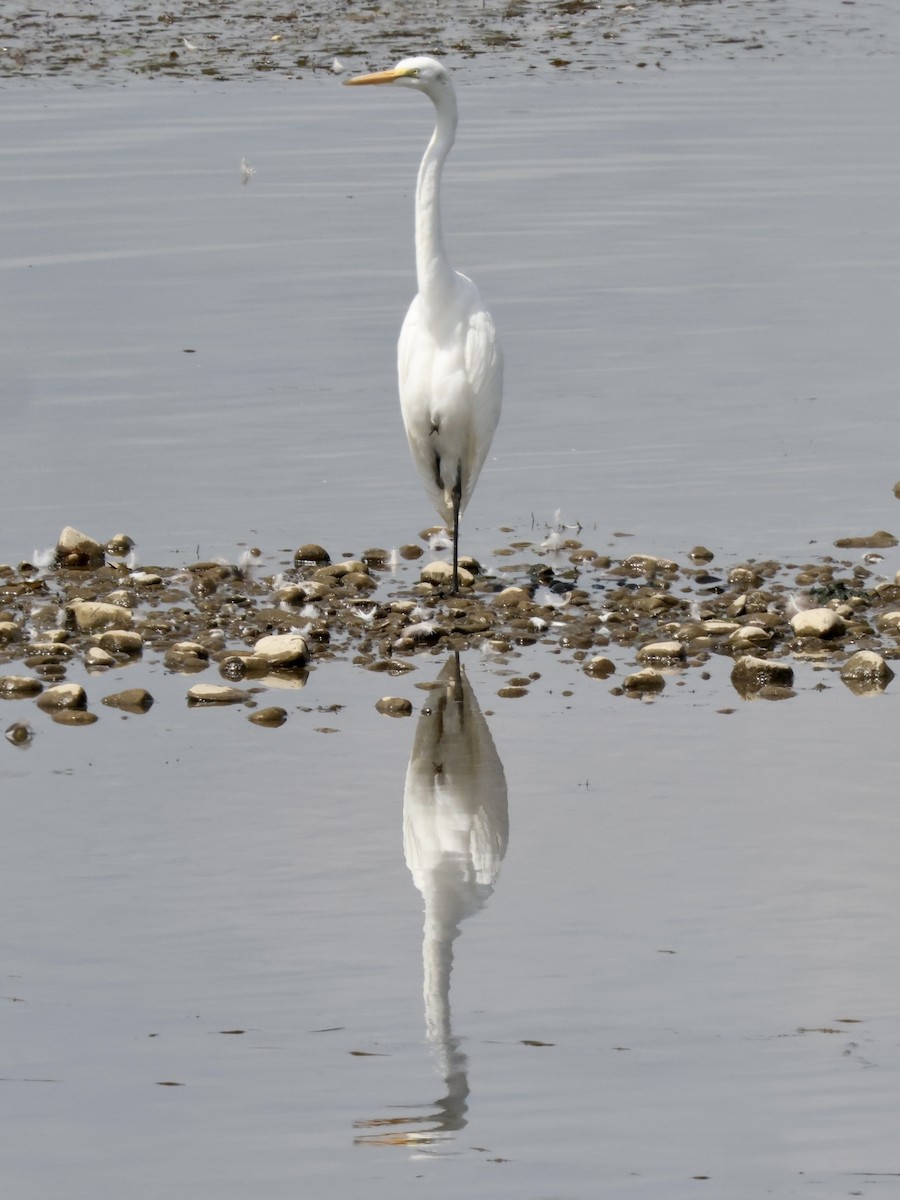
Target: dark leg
pixel 457 497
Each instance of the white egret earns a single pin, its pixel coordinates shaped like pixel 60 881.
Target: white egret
pixel 449 361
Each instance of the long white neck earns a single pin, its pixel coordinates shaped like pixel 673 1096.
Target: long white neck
pixel 434 274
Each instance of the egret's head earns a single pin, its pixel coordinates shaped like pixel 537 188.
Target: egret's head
pixel 422 73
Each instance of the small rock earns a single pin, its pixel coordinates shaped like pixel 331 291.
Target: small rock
pixel 120 545
pixel 283 651
pixel 701 554
pixel 311 553
pixel 96 657
pixel 866 672
pixel 121 641
pixel 880 540
pixel 376 557
pixel 440 572
pixel 63 695
pixel 647 680
pixel 186 656
pixel 411 552
pixel 394 706
pixel 9 632
pixel 19 734
pixel 661 652
pixel 72 716
pixel 17 687
pixel 271 717
pixel 146 579
pixel 92 615
pixel 647 564
pixel 133 700
pixel 745 637
pixel 75 550
pixel 750 674
pixel 600 667
pixel 57 651
pixel 511 597
pixel 715 627
pixel 512 692
pixel 818 622
pixel 215 693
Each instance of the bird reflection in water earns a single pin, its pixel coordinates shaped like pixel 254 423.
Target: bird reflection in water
pixel 455 830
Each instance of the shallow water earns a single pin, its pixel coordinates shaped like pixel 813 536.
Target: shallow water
pixel 694 913
pixel 696 296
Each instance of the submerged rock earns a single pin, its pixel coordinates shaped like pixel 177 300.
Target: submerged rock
pixel 19 734
pixel 749 674
pixel 866 673
pixel 647 680
pixel 661 652
pixel 394 706
pixel 133 700
pixel 270 717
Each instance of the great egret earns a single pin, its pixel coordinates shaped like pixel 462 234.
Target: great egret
pixel 449 361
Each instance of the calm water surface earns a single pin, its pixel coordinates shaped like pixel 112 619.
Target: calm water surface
pixel 670 932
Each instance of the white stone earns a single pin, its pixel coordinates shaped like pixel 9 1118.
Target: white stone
pixel 661 652
pixel 214 693
pixel 818 622
pixel 283 650
pixel 63 695
pixel 91 615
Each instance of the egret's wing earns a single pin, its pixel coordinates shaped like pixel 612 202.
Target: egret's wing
pixel 405 347
pixel 484 369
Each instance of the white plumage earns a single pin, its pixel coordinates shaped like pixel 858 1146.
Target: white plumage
pixel 449 362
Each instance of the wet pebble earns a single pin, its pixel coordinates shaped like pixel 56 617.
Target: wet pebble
pixel 63 695
pixel 311 553
pixel 121 641
pixel 19 733
pixel 215 693
pixel 77 551
pixel 18 687
pixel 661 652
pixel 119 545
pixel 132 700
pixel 600 667
pixel 745 637
pixel 750 674
pixel 441 573
pixel 394 706
pixel 647 680
pixel 271 717
pixel 818 622
pixel 96 658
pixel 9 632
pixel 866 671
pixel 56 651
pixel 187 657
pixel 72 716
pixel 282 651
